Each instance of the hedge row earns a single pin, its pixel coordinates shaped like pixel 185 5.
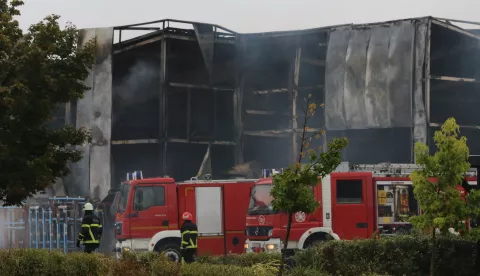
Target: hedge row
pixel 403 255
pixel 29 262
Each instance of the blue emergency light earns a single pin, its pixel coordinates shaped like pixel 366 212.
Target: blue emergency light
pixel 135 175
pixel 270 172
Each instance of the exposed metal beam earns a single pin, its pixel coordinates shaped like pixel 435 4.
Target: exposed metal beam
pixel 199 86
pixel 163 114
pixel 174 21
pixel 140 29
pixel 460 21
pixel 279 132
pixel 138 44
pixel 185 141
pixel 268 91
pixel 461 126
pixel 264 112
pixel 189 112
pixel 284 90
pixel 267 133
pixel 238 100
pixel 455 28
pixel 137 141
pixel 454 79
pixel 164 36
pixel 427 69
pixel 295 88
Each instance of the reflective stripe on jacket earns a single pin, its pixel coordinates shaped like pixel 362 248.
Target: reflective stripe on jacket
pixel 189 233
pixel 91 230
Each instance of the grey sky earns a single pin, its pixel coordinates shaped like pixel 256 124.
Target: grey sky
pixel 246 15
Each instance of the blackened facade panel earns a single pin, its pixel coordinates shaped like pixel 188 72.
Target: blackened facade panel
pixel 335 79
pixel 400 73
pixel 376 102
pixel 347 70
pixel 355 71
pixel 419 114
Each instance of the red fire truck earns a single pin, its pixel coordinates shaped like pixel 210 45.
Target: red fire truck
pixel 355 202
pixel 149 213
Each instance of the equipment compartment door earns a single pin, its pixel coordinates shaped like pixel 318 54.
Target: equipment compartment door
pixel 209 213
pixel 351 204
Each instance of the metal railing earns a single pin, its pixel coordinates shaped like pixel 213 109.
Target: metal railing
pixel 54 225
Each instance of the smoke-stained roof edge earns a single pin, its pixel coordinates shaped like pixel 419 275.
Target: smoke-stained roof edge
pixel 156 35
pixel 167 20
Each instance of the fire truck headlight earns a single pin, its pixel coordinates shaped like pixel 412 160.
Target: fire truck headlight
pixel 245 246
pixel 271 246
pixel 126 249
pixel 270 232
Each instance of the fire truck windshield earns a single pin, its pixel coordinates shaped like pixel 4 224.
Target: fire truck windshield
pixel 260 201
pixel 124 189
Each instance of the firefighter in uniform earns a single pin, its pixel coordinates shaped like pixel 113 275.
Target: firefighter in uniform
pixel 91 230
pixel 189 233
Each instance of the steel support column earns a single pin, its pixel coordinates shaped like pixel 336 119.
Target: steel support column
pixel 163 105
pixel 238 98
pixel 296 75
pixel 427 69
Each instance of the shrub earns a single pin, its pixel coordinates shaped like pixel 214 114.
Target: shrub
pixel 247 259
pixel 402 255
pixel 199 269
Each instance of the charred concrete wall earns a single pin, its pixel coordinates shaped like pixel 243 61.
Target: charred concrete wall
pixel 91 176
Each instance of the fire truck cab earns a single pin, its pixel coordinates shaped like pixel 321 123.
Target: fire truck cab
pixel 149 213
pixel 355 202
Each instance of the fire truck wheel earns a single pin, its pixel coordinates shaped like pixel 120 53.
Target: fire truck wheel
pixel 171 250
pixel 312 242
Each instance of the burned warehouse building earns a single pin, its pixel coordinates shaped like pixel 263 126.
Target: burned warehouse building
pixel 178 93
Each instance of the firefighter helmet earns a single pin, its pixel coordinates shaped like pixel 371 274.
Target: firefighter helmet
pixel 88 207
pixel 187 216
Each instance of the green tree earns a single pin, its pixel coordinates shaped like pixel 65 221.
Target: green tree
pixel 39 70
pixel 435 184
pixel 292 189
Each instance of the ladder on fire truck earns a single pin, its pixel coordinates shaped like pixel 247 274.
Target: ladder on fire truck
pixel 392 169
pixel 382 169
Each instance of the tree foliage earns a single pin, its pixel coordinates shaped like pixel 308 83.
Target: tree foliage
pixel 39 70
pixel 292 189
pixel 435 186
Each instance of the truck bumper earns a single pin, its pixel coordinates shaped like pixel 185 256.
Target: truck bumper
pixel 134 245
pixel 270 246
